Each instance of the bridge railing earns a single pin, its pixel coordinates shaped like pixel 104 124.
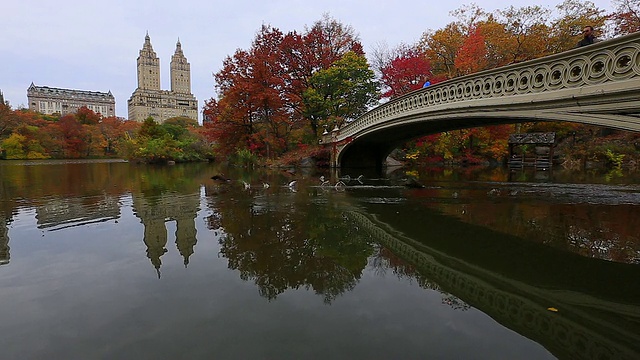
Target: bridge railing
pixel 607 61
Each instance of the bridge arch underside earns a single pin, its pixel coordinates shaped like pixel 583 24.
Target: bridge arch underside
pixel 370 148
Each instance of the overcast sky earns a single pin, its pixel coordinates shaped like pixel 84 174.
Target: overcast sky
pixel 93 45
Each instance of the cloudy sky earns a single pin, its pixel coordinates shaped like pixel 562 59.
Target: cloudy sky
pixel 93 45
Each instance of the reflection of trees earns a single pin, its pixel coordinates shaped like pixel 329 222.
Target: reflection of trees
pixel 283 240
pixel 592 220
pixel 598 231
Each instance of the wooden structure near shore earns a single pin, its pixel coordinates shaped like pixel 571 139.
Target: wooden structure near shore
pixel 531 150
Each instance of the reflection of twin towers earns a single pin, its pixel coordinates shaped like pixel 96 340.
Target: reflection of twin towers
pixel 155 212
pixel 4 241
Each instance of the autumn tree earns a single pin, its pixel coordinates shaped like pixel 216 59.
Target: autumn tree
pixel 112 131
pixel 441 47
pixel 317 48
pixel 527 33
pixel 259 103
pixel 253 90
pixel 270 91
pixel 8 120
pixel 11 120
pixel 234 116
pixel 574 16
pixel 626 16
pixel 25 143
pixel 86 116
pixel 472 54
pixel 94 142
pixel 74 136
pixel 408 71
pixel 52 139
pixel 223 131
pixel 326 42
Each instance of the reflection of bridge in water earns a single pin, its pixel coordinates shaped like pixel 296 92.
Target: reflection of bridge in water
pixel 586 326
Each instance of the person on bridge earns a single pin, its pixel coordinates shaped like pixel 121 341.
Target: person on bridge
pixel 588 37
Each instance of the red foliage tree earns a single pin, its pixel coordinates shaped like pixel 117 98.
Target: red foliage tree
pixel 74 135
pixel 112 131
pixel 86 116
pixel 406 73
pixel 222 130
pixel 8 120
pixel 259 103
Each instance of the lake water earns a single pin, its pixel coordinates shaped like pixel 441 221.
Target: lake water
pixel 112 260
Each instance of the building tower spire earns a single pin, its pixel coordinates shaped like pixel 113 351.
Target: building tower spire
pixel 148 67
pixel 180 71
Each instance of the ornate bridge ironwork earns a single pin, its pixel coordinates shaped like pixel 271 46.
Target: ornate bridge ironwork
pixel 598 84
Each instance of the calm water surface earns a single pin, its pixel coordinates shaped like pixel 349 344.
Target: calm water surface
pixel 120 261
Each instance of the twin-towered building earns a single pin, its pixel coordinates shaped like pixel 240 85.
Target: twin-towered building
pixel 148 100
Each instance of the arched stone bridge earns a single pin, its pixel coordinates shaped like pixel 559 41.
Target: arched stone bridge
pixel 598 84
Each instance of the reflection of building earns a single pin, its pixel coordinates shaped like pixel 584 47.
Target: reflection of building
pixel 70 212
pixel 148 100
pixel 155 237
pixel 154 213
pixel 4 242
pixel 48 100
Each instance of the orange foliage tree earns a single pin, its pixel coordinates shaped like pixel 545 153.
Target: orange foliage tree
pixel 472 54
pixel 259 104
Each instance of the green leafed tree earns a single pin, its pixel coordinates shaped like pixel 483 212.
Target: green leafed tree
pixel 342 92
pixel 151 129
